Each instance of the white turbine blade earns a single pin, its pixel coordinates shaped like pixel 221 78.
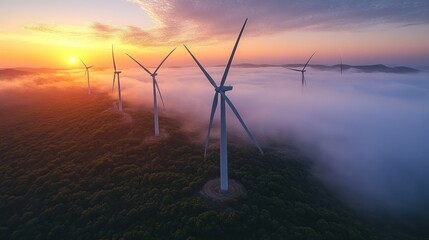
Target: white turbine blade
pixel 293 69
pixel 83 63
pixel 140 64
pixel 202 69
pixel 308 61
pixel 90 66
pixel 113 85
pixel 162 100
pixel 214 106
pixel 156 70
pixel 113 57
pixel 241 121
pixel 225 74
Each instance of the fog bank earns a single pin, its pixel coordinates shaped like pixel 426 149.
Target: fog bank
pixel 367 134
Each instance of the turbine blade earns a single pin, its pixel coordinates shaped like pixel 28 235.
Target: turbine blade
pixel 162 100
pixel 241 121
pixel 113 85
pixel 83 63
pixel 156 70
pixel 140 64
pixel 225 74
pixel 293 69
pixel 113 57
pixel 214 107
pixel 308 61
pixel 202 69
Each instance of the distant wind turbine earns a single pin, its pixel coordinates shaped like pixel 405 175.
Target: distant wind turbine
pixel 116 74
pixel 87 74
pixel 303 70
pixel 155 87
pixel 221 89
pixel 341 65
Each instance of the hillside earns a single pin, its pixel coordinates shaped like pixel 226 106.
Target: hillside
pixel 360 68
pixel 11 73
pixel 72 168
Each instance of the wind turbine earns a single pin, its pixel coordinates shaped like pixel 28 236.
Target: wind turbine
pixel 155 87
pixel 87 74
pixel 221 89
pixel 303 70
pixel 116 74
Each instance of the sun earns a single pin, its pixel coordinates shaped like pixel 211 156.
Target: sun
pixel 72 60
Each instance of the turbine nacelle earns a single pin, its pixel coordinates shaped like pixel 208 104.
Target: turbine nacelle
pixel 117 72
pixel 223 89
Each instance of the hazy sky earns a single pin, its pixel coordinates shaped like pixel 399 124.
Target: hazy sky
pixel 47 33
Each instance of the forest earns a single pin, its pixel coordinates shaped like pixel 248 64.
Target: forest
pixel 74 168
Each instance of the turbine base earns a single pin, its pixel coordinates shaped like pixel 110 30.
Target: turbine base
pixel 211 190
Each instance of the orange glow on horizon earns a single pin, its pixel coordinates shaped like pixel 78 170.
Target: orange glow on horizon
pixel 44 49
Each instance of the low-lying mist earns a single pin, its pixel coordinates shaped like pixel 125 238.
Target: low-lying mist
pixel 367 134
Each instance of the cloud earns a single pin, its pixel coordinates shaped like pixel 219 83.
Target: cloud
pixel 191 21
pixel 366 134
pixel 222 17
pixel 95 30
pixel 36 79
pixel 129 34
pixel 42 27
pixel 103 30
pixel 70 31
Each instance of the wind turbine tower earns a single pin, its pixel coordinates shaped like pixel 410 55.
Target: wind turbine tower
pixel 116 75
pixel 155 87
pixel 87 75
pixel 224 100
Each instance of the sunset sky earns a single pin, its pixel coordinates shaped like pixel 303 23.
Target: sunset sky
pixel 48 33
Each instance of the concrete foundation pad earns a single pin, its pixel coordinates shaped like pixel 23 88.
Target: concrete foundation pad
pixel 212 191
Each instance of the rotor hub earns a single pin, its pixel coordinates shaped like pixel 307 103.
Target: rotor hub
pixel 223 89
